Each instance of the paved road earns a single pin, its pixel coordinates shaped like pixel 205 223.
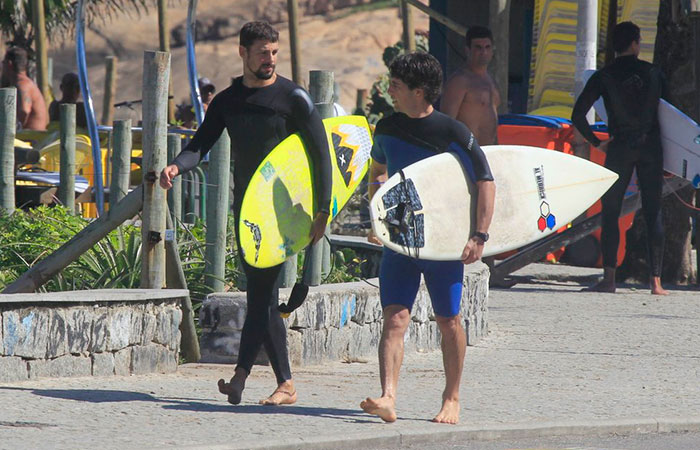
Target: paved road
pixel 556 361
pixel 652 441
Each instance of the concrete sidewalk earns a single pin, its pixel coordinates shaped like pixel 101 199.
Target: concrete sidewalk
pixel 556 361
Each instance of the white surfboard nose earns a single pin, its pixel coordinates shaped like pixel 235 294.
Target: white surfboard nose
pixel 537 192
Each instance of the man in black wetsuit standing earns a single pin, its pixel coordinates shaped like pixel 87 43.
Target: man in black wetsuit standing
pixel 631 90
pixel 259 110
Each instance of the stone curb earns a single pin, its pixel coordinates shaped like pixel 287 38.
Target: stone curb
pixel 399 439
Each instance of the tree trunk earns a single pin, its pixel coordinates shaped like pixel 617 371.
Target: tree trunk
pixel 673 52
pixel 499 20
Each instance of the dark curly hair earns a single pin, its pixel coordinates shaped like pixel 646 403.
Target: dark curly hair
pixel 419 70
pixel 19 58
pixel 478 32
pixel 623 35
pixel 253 31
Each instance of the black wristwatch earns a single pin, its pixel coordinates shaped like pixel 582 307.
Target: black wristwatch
pixel 483 236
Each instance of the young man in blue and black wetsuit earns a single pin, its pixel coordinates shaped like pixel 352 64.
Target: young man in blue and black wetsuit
pixel 259 110
pixel 415 132
pixel 631 90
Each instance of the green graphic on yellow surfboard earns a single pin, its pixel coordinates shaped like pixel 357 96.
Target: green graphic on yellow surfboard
pixel 277 208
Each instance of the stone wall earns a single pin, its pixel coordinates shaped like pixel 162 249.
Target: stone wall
pixel 84 333
pixel 340 321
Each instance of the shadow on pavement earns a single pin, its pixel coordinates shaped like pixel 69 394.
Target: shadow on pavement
pixel 89 395
pixel 337 413
pixel 194 405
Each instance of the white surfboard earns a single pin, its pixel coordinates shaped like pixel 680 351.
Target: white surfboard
pixel 431 213
pixel 680 138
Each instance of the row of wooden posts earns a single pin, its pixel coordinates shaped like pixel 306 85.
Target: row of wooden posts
pixel 160 260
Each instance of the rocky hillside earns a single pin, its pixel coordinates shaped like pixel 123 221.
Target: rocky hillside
pixel 351 45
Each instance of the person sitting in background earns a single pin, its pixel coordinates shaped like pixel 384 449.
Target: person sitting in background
pixel 185 112
pixel 206 92
pixel 70 93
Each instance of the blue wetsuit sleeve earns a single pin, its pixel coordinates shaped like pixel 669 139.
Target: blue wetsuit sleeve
pixel 378 154
pixel 591 92
pixel 470 154
pixel 203 140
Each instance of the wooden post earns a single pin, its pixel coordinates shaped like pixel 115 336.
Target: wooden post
pixel 199 185
pixel 163 36
pixel 175 279
pixel 8 124
pixel 121 161
pixel 66 186
pixel 41 43
pixel 361 102
pixel 175 193
pixel 49 72
pixel 217 213
pixel 43 271
pixel 188 206
pixel 439 17
pixel 110 89
pixel 695 24
pixel 156 71
pixel 586 49
pixel 321 91
pixel 408 36
pixel 612 21
pixel 288 275
pixel 293 12
pixel 49 76
pixel 164 41
pixel 586 45
pixel 499 22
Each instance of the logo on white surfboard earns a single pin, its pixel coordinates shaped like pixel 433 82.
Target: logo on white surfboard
pixel 547 219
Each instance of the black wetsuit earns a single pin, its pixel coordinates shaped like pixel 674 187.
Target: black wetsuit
pixel 257 119
pixel 631 90
pixel 55 113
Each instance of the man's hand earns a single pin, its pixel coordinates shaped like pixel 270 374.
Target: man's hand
pixel 603 147
pixel 167 175
pixel 318 227
pixel 473 250
pixel 372 238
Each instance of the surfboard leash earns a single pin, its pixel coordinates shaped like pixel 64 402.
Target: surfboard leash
pixel 683 202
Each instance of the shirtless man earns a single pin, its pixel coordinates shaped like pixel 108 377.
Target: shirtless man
pixel 471 95
pixel 31 108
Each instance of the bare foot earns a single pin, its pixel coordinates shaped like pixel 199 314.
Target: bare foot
pixel 384 407
pixel 656 289
pixel 233 389
pixel 449 412
pixel 285 394
pixel 602 286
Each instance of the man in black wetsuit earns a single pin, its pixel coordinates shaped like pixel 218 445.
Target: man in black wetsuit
pixel 259 110
pixel 631 90
pixel 415 132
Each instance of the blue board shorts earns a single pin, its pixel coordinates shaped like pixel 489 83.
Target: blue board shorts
pixel 399 279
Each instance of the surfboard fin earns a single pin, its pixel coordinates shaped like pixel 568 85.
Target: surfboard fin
pixel 296 299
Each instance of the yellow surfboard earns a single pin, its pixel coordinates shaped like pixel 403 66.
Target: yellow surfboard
pixel 277 208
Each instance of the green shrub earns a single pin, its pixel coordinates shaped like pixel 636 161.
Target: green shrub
pixel 115 261
pixel 380 104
